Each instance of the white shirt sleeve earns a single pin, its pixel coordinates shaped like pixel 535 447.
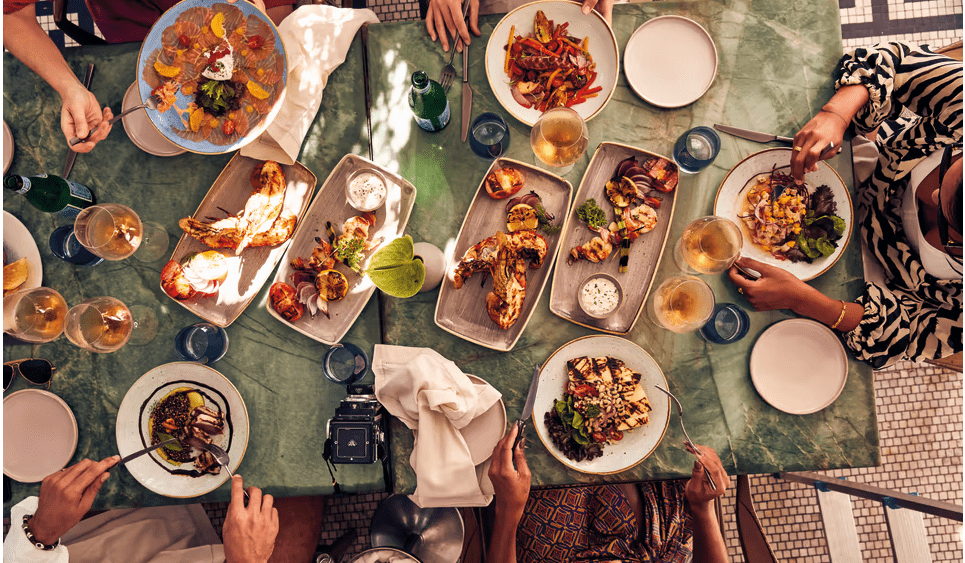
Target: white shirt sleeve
pixel 18 549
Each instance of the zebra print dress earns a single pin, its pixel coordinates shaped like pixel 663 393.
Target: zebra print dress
pixel 915 316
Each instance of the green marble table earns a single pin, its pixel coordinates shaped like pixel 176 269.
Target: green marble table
pixel 774 73
pixel 276 370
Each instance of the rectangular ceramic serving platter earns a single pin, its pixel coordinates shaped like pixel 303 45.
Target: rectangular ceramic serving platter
pixel 247 272
pixel 463 312
pixel 645 252
pixel 331 205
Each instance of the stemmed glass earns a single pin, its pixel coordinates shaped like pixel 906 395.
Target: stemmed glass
pixel 682 304
pixel 559 138
pixel 34 315
pixel 709 245
pixel 101 324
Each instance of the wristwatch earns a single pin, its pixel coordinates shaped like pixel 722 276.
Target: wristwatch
pixel 33 540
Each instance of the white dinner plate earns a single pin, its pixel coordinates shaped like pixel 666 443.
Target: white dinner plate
pixel 19 243
pixel 733 194
pixel 39 435
pixel 799 366
pixel 670 61
pixel 636 444
pixel 7 147
pixel 485 430
pixel 602 46
pixel 151 470
pixel 141 132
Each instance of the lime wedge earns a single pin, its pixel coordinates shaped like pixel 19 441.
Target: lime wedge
pixel 395 270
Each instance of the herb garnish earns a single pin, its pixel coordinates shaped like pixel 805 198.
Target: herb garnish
pixel 591 214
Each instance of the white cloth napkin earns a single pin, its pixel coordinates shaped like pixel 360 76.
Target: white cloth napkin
pixel 316 38
pixel 435 399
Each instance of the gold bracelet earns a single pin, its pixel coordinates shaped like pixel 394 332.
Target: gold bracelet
pixel 839 116
pixel 844 309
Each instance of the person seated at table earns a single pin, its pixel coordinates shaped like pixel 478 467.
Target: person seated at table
pixel 909 211
pixel 444 16
pixel 120 21
pixel 179 534
pixel 650 521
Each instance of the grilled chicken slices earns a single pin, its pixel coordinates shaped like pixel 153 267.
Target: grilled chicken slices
pixel 618 392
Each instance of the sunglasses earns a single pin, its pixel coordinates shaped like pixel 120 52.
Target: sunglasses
pixel 36 371
pixel 952 248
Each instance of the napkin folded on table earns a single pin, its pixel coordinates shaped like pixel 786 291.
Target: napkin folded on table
pixel 435 399
pixel 316 38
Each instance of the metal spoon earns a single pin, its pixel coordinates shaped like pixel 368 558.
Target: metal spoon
pixel 151 103
pixel 221 457
pixel 696 452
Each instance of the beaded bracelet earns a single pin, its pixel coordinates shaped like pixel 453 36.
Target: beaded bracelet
pixel 33 540
pixel 844 308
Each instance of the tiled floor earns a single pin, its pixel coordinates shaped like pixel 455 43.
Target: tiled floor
pixel 919 407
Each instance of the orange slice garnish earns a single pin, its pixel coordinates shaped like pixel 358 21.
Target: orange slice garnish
pixel 167 71
pixel 217 24
pixel 257 91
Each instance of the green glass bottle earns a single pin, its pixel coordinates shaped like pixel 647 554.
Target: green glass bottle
pixel 51 194
pixel 428 102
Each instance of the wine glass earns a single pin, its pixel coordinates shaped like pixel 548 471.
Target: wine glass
pixel 682 304
pixel 101 324
pixel 111 231
pixel 709 245
pixel 559 138
pixel 34 315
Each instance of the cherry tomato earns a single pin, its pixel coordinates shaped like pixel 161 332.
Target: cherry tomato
pixel 615 435
pixel 228 127
pixel 553 45
pixel 255 41
pixel 598 437
pixel 184 40
pixel 584 390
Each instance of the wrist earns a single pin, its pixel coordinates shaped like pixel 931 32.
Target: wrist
pixel 37 533
pixel 840 115
pixel 702 509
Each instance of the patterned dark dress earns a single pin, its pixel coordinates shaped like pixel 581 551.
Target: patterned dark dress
pixel 597 524
pixel 915 316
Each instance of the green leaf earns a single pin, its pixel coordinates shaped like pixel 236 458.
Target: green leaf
pixel 174 447
pixel 560 406
pixel 395 270
pixel 581 440
pixel 592 411
pixel 839 225
pixel 567 417
pixel 577 420
pixel 824 247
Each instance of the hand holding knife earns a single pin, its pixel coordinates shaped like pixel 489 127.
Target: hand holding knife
pixel 528 407
pixel 759 137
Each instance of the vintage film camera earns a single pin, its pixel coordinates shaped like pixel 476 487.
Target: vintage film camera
pixel 356 434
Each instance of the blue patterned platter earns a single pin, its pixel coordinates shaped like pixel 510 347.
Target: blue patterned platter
pixel 179 48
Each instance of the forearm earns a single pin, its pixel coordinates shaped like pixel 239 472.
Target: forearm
pixel 709 544
pixel 846 102
pixel 843 316
pixel 502 544
pixel 24 38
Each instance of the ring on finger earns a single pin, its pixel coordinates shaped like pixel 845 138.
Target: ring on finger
pixel 740 290
pixel 798 149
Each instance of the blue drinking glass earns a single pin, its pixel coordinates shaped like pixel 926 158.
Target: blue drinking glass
pixel 696 149
pixel 64 244
pixel 728 324
pixel 202 342
pixel 345 363
pixel 489 136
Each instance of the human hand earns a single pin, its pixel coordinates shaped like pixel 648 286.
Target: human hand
pixel 446 16
pixel 249 531
pixel 775 289
pixel 699 491
pixel 79 114
pixel 66 496
pixel 511 484
pixel 817 141
pixel 605 7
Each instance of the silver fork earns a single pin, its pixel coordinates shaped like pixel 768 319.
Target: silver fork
pixel 221 457
pixel 693 448
pixel 151 104
pixel 449 72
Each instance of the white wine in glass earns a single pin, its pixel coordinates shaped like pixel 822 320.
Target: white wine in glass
pixel 34 315
pixel 111 231
pixel 683 304
pixel 560 137
pixel 709 245
pixel 101 324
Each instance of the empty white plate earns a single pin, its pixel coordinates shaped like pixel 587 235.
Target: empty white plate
pixel 142 133
pixel 7 147
pixel 799 366
pixel 670 61
pixel 39 435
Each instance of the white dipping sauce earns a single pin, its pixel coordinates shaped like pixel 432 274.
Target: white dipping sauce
pixel 599 296
pixel 366 192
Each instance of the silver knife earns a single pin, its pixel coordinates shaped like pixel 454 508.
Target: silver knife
pixel 752 135
pixel 528 407
pixel 72 156
pixel 145 450
pixel 466 93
